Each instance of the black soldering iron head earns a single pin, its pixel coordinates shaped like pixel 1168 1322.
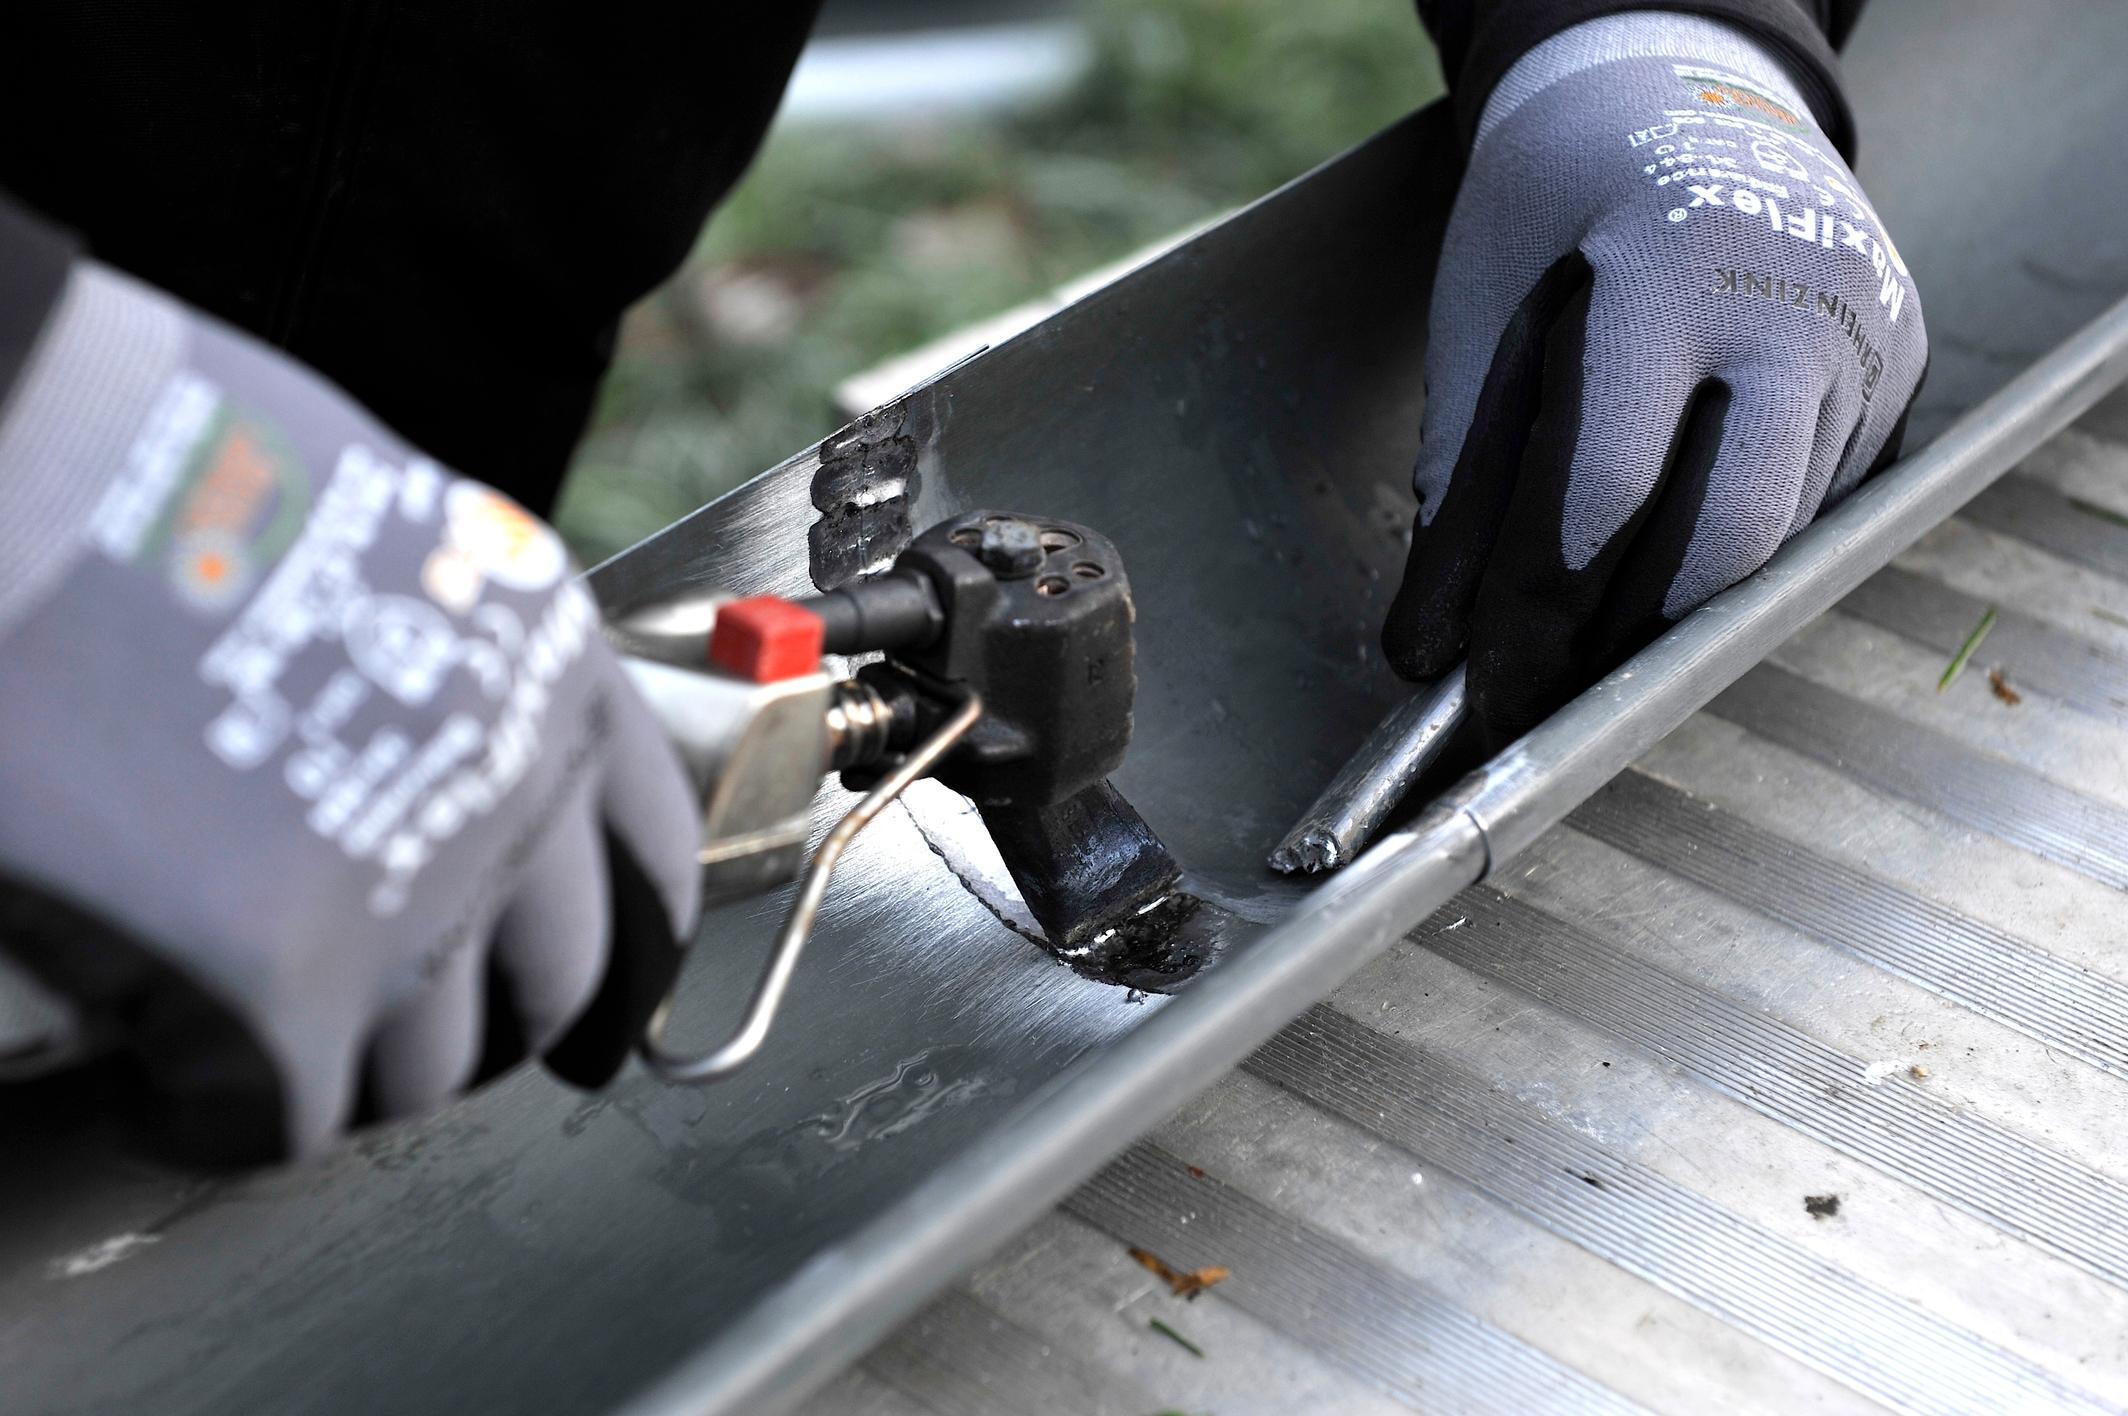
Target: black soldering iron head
pixel 1034 615
pixel 1103 888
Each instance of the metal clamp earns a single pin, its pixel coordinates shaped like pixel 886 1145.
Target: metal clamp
pixel 767 997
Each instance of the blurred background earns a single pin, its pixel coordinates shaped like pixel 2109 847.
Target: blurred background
pixel 937 162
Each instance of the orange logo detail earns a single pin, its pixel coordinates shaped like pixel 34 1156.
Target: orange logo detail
pixel 501 539
pixel 229 491
pixel 210 568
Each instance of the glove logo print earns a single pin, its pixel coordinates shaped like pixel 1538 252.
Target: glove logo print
pixel 501 539
pixel 1753 286
pixel 403 645
pixel 1717 181
pixel 220 500
pixel 390 798
pixel 443 790
pixel 1717 89
pixel 488 537
pixel 214 495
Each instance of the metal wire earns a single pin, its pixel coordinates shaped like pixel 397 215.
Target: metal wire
pixel 685 1069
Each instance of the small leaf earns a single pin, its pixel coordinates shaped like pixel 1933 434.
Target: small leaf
pixel 1965 650
pixel 1175 1337
pixel 2103 513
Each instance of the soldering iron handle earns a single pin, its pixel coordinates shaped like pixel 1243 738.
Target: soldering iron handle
pixel 895 611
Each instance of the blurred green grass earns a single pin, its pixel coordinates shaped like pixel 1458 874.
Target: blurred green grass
pixel 847 244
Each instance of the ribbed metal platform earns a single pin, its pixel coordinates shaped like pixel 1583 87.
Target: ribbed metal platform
pixel 1790 1073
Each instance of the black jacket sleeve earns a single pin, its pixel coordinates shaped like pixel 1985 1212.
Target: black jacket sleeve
pixel 33 269
pixel 1480 40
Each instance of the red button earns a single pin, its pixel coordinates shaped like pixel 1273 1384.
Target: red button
pixel 766 638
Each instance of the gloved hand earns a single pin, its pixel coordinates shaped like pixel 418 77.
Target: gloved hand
pixel 315 771
pixel 1667 329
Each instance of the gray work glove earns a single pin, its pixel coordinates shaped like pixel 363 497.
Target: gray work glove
pixel 1667 329
pixel 315 772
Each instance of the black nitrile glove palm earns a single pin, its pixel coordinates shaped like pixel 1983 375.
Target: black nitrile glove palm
pixel 315 771
pixel 1667 329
